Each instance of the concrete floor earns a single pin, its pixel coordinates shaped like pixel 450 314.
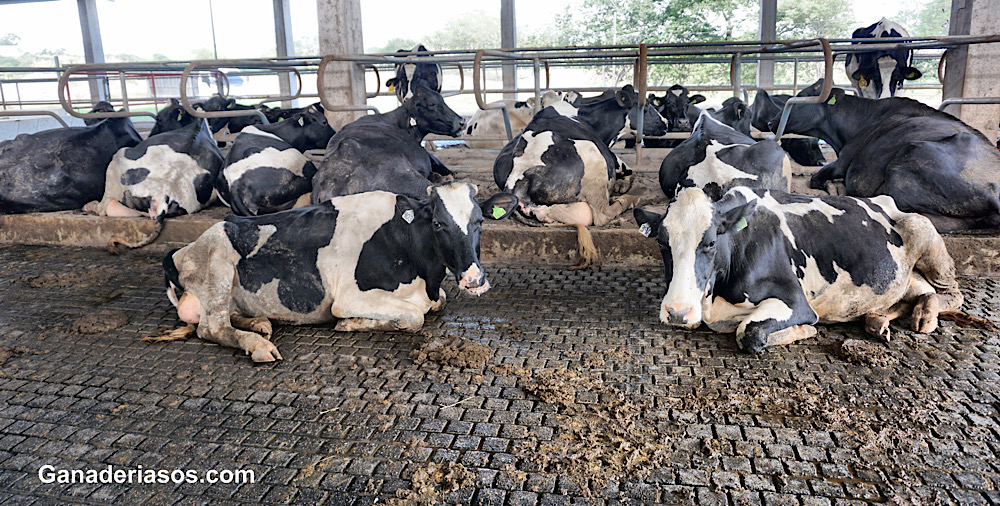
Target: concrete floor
pixel 584 397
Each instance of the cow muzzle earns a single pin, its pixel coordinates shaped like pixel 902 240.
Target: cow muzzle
pixel 474 281
pixel 679 315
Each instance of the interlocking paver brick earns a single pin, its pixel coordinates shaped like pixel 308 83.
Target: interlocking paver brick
pixel 347 418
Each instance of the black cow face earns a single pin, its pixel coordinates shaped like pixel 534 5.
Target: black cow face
pixel 407 75
pixel 735 113
pixel 691 236
pixel 457 221
pixel 428 111
pixel 673 106
pixel 809 119
pixel 101 106
pixel 315 131
pixel 172 117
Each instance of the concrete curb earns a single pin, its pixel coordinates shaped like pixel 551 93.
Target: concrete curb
pixel 974 254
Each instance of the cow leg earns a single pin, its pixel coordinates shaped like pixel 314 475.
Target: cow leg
pixel 217 311
pixel 828 172
pixel 116 209
pixel 378 312
pixel 934 266
pixel 836 188
pixel 925 313
pixel 260 325
pixel 303 200
pixel 877 324
pixel 775 321
pixel 437 305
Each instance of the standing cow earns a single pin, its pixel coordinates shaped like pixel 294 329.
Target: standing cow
pixel 768 265
pixel 562 170
pixel 374 260
pixel 879 74
pixel 717 157
pixel 168 174
pixel 265 170
pixel 929 162
pixel 383 152
pixel 60 169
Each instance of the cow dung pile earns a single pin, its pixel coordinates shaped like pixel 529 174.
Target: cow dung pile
pixel 431 482
pixel 455 352
pixel 101 321
pixel 863 352
pixel 9 351
pixel 598 442
pixel 74 279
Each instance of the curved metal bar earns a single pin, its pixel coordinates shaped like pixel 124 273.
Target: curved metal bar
pixel 186 102
pixel 968 101
pixel 824 94
pixel 941 67
pixel 477 91
pixel 461 85
pixel 36 113
pixel 321 90
pixel 64 82
pixel 378 82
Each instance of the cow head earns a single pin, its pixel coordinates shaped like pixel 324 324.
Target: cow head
pixel 314 132
pixel 880 75
pixel 815 119
pixel 407 74
pixel 427 111
pixel 457 220
pixel 172 117
pixel 695 240
pixel 101 106
pixel 765 108
pixel 652 122
pixel 673 106
pixel 735 113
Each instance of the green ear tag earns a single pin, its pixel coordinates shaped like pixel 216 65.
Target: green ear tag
pixel 498 212
pixel 833 100
pixel 740 225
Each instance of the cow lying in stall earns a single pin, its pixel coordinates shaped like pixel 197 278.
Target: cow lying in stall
pixel 174 116
pixel 169 174
pixel 768 265
pixel 765 108
pixel 60 169
pixel 383 152
pixel 266 171
pixel 562 170
pixel 375 261
pixel 488 123
pixel 717 157
pixel 928 161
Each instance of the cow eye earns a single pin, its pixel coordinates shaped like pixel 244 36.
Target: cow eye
pixel 436 224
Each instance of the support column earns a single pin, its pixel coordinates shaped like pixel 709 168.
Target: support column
pixel 93 49
pixel 767 32
pixel 285 45
pixel 340 33
pixel 508 40
pixel 974 71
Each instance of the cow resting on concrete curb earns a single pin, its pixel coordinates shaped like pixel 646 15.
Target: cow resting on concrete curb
pixel 562 170
pixel 375 261
pixel 169 174
pixel 768 265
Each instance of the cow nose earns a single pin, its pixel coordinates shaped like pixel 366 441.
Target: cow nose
pixel 752 346
pixel 474 281
pixel 675 314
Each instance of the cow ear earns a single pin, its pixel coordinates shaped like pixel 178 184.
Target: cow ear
pixel 734 216
pixel 912 74
pixel 530 102
pixel 301 121
pixel 836 95
pixel 648 221
pixel 173 101
pixel 623 99
pixel 696 99
pixel 499 206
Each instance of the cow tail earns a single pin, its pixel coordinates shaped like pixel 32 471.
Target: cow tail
pixel 116 240
pixel 587 250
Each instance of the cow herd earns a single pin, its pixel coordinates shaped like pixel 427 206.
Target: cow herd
pixel 367 236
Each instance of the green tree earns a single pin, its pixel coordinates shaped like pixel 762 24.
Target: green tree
pixel 930 19
pixel 474 30
pixel 307 46
pixel 806 19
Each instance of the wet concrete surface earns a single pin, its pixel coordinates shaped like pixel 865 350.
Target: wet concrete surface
pixel 587 398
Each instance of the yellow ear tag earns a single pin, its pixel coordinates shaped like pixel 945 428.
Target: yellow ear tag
pixel 498 212
pixel 392 88
pixel 740 225
pixel 862 82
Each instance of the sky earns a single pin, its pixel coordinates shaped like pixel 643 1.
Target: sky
pixel 177 28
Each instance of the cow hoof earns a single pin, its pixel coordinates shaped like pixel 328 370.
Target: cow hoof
pixel 264 351
pixel 261 326
pixel 877 325
pixel 92 207
pixel 925 313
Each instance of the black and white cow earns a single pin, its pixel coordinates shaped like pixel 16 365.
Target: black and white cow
pixel 265 170
pixel 276 114
pixel 677 107
pixel 171 117
pixel 879 74
pixel 383 152
pixel 488 123
pixel 717 157
pixel 768 107
pixel 408 74
pixel 60 169
pixel 168 174
pixel 101 106
pixel 174 116
pixel 928 161
pixel 375 261
pixel 562 170
pixel 768 265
